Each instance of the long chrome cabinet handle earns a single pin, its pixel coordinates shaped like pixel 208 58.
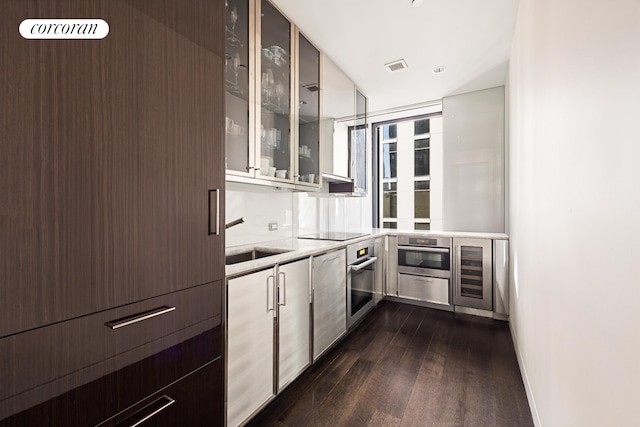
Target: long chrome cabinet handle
pixel 283 287
pixel 214 212
pixel 270 299
pixel 121 323
pixel 154 408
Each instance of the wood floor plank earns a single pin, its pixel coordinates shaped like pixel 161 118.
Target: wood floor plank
pixel 409 328
pixel 307 403
pixel 380 419
pixel 433 399
pixel 376 346
pixel 341 402
pixel 386 390
pixel 479 409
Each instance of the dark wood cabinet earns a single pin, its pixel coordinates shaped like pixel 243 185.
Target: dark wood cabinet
pixel 195 400
pixel 186 373
pixel 112 210
pixel 52 360
pixel 110 149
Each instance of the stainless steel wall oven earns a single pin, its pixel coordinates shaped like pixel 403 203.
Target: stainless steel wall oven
pixel 361 265
pixel 424 269
pixel 425 256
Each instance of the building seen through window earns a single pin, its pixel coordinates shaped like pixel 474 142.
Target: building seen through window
pixel 406 172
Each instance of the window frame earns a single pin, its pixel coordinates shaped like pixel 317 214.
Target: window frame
pixel 377 173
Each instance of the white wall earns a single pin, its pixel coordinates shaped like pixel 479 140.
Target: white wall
pixel 473 161
pixel 575 207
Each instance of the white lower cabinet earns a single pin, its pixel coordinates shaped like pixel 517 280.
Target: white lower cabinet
pixel 293 321
pixel 329 279
pixel 250 323
pixel 259 304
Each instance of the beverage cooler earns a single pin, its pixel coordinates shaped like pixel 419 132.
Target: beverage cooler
pixel 473 273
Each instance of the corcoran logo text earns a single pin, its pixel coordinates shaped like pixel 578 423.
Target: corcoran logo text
pixel 64 29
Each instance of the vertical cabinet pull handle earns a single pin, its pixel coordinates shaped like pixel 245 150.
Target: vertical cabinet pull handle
pixel 270 299
pixel 150 410
pixel 214 212
pixel 282 285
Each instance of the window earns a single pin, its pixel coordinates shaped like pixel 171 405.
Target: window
pixel 421 199
pixel 421 127
pixel 390 132
pixel 405 182
pixel 390 203
pixel 421 157
pixel 389 160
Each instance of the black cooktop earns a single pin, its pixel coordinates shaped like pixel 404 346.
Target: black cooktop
pixel 336 236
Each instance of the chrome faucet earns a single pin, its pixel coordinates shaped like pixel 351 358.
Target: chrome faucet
pixel 235 222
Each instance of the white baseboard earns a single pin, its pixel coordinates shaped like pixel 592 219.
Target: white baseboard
pixel 525 380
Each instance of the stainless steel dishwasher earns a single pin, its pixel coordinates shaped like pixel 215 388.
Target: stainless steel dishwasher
pixel 329 282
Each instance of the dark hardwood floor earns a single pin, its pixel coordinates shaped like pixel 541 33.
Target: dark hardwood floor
pixel 410 366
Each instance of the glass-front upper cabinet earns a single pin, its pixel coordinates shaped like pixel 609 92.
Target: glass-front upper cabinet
pixel 274 129
pixel 272 98
pixel 239 115
pixel 308 113
pixel 358 146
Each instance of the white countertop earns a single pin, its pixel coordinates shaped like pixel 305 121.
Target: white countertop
pixel 467 234
pixel 302 248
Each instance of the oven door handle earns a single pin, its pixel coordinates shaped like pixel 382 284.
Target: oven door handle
pixel 358 267
pixel 424 249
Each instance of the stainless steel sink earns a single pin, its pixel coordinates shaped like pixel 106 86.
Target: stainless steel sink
pixel 252 254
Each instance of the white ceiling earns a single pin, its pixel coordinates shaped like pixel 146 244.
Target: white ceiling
pixel 471 38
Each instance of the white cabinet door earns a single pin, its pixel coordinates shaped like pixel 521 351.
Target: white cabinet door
pixel 329 280
pixel 294 340
pixel 251 312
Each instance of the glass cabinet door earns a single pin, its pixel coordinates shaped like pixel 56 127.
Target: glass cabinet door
pixel 274 94
pixel 237 135
pixel 308 112
pixel 358 146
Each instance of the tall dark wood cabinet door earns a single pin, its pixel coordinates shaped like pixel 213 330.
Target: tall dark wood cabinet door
pixel 111 157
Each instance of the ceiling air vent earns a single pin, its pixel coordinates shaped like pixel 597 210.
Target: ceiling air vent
pixel 396 65
pixel 312 87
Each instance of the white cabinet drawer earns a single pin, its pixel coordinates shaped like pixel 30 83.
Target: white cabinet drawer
pixel 422 288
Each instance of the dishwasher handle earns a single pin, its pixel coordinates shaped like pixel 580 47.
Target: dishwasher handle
pixel 358 267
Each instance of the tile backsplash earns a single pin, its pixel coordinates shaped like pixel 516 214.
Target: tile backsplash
pixel 296 213
pixel 261 207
